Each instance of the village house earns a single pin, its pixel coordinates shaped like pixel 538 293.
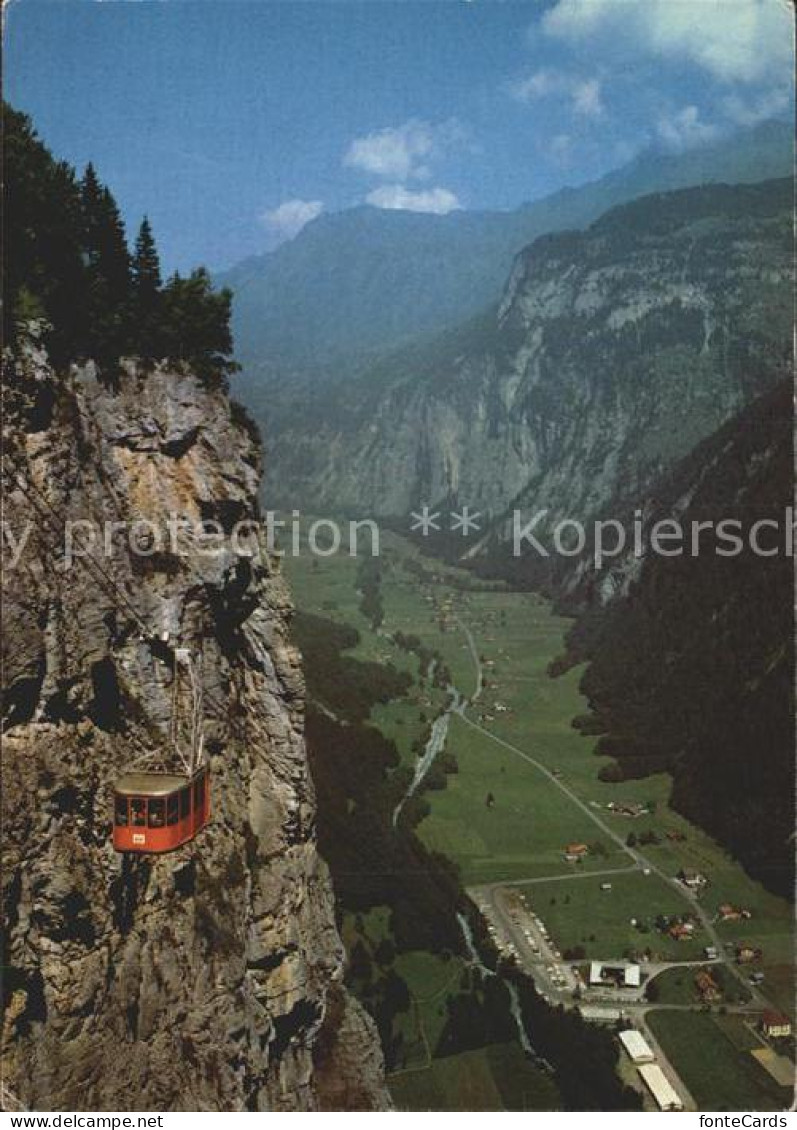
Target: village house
pixel 632 809
pixel 746 953
pixel 681 931
pixel 574 852
pixel 706 986
pixel 691 879
pixel 729 913
pixel 775 1025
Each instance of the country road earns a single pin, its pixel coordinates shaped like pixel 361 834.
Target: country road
pixel 477 663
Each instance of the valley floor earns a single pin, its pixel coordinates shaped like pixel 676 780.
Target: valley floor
pixel 525 795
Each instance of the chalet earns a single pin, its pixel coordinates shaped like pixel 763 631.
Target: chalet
pixel 692 879
pixel 775 1025
pixel 746 953
pixel 630 809
pixel 729 913
pixel 576 850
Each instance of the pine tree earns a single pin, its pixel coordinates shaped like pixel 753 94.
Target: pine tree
pixel 147 306
pixel 108 270
pixel 196 323
pixel 44 268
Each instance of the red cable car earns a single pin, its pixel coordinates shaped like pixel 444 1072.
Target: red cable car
pixel 156 812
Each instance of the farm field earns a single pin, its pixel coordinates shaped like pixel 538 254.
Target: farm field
pixel 501 820
pixel 538 720
pixel 677 986
pixel 522 834
pixel 714 1062
pixel 581 914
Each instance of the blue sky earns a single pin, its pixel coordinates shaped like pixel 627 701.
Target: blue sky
pixel 233 123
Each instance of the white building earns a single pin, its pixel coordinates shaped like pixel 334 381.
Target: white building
pixel 657 1083
pixel 637 1046
pixel 610 975
pixel 632 977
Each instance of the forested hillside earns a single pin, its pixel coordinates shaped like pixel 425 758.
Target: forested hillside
pixel 692 668
pixel 68 263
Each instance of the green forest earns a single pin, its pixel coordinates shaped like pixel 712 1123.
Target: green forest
pixel 69 265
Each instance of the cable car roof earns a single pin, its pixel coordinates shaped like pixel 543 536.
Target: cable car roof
pixel 150 784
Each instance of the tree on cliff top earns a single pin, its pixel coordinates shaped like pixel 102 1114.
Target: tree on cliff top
pixel 67 262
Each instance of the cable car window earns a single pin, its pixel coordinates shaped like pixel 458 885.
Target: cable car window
pixel 199 793
pixel 157 812
pixel 172 809
pixel 185 803
pixel 138 811
pixel 121 811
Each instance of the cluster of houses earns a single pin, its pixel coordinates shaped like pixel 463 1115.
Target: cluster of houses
pixel 681 928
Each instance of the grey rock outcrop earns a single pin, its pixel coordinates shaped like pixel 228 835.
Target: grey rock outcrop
pixel 612 353
pixel 208 978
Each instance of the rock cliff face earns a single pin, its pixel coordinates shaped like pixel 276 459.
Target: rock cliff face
pixel 612 353
pixel 209 978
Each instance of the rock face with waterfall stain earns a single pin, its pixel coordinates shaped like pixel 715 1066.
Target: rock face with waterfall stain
pixel 209 978
pixel 612 353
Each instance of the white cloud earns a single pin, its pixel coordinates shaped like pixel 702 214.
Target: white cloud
pixel 291 216
pixel 404 152
pixel 734 40
pixel 397 152
pixel 585 94
pixel 398 198
pixel 684 129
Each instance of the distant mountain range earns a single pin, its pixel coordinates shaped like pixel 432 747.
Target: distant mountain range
pixel 366 280
pixel 613 352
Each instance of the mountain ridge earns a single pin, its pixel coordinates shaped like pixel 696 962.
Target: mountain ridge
pixel 364 280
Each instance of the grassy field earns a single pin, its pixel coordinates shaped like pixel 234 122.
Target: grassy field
pixel 581 914
pixel 520 635
pixel 522 834
pixel 677 986
pixel 494 1078
pixel 708 1054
